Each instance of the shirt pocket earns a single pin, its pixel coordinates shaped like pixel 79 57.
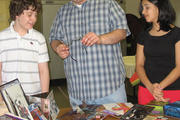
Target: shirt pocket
pixel 98 26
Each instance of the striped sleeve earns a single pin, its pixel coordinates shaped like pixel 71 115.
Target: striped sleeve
pixel 43 51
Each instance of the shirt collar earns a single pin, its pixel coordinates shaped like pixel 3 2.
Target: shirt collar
pixel 12 28
pixel 81 4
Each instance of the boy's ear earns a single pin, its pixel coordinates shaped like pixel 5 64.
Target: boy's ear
pixel 16 17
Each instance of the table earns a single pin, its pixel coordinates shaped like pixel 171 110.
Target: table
pixel 130 64
pixel 65 110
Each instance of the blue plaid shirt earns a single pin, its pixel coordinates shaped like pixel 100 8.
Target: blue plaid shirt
pixel 96 71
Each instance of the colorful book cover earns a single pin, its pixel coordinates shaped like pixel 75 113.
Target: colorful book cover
pixel 172 109
pixel 158 106
pixel 134 80
pixel 99 112
pixel 117 109
pixel 137 112
pixel 36 113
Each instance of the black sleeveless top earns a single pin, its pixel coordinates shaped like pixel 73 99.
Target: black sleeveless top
pixel 159 54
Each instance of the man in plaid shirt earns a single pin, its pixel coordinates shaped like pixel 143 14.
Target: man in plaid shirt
pixel 87 35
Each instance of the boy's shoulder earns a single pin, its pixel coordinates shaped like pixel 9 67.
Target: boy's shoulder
pixel 5 31
pixel 37 34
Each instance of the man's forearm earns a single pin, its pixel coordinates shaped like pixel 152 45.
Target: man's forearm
pixel 112 37
pixel 55 44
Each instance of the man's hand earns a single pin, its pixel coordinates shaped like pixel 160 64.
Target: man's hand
pixel 63 51
pixel 90 39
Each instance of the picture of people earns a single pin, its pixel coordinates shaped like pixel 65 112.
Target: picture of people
pixel 22 110
pixel 15 99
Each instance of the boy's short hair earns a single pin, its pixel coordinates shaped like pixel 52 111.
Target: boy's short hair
pixel 17 7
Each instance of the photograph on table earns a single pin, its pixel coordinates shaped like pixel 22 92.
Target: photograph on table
pixel 15 99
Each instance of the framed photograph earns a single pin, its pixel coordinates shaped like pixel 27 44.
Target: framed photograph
pixel 15 99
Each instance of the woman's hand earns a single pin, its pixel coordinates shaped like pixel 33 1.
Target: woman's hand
pixel 157 93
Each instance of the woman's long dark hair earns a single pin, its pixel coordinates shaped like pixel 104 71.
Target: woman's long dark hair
pixel 166 16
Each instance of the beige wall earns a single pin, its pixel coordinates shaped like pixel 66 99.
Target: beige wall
pixel 132 7
pixel 4 14
pixel 176 4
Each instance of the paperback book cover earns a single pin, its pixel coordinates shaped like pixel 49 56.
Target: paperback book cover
pixel 137 112
pixel 172 109
pixel 158 107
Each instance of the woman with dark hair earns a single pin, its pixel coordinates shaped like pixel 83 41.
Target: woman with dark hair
pixel 158 53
